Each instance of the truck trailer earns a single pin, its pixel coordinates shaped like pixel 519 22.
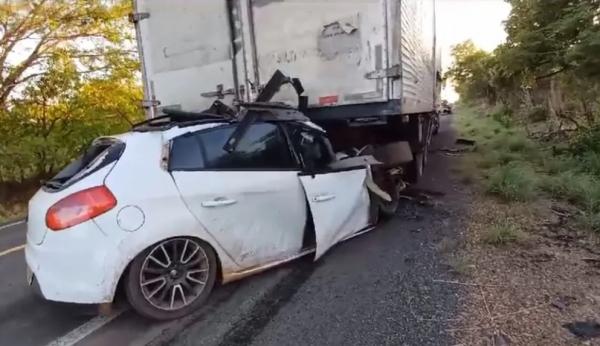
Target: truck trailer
pixel 370 69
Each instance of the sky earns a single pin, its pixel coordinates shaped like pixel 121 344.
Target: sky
pixel 460 20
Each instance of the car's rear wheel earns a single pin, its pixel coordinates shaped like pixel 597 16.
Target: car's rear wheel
pixel 172 278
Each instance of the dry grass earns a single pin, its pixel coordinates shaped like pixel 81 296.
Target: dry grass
pixel 503 233
pixel 510 290
pixel 12 211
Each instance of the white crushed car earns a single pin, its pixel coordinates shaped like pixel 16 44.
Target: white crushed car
pixel 187 200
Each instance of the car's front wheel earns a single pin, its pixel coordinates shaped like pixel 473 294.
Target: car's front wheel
pixel 171 278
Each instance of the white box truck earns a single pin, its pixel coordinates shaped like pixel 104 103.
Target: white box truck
pixel 370 68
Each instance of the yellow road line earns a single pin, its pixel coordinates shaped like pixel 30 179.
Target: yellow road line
pixel 14 249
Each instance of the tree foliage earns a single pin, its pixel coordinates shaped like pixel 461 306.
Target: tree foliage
pixel 550 62
pixel 68 73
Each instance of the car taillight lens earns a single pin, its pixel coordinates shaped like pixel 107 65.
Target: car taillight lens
pixel 79 207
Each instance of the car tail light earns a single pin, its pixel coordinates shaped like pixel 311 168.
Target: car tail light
pixel 79 207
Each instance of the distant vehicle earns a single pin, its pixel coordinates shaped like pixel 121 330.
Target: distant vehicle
pixel 446 107
pixel 189 199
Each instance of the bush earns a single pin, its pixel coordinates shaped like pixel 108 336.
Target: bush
pixel 513 182
pixel 589 221
pixel 556 164
pixel 518 143
pixel 502 234
pixel 589 161
pixel 503 115
pixel 576 187
pixel 536 114
pixel 587 141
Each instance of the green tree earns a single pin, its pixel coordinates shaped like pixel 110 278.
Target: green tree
pixel 472 72
pixel 548 68
pixel 69 73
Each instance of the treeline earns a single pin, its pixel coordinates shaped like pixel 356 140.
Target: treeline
pixel 69 73
pixel 547 72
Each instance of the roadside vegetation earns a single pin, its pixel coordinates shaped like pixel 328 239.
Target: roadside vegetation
pixel 69 73
pixel 515 167
pixel 533 108
pixel 533 105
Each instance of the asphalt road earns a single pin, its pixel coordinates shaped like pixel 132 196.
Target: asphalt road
pixel 385 287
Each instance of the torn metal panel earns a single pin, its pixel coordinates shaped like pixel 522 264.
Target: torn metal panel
pixel 340 37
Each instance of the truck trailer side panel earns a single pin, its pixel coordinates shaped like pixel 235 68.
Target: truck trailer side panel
pixel 414 50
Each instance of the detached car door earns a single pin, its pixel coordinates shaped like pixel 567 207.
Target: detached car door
pixel 250 200
pixel 338 199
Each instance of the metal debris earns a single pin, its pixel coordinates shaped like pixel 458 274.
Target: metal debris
pixel 585 330
pixel 500 340
pixel 562 302
pixel 463 141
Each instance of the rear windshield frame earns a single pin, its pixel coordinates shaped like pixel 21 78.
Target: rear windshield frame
pixel 106 149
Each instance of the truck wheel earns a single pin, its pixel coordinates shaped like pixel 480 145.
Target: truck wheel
pixel 171 278
pixel 436 124
pixel 415 168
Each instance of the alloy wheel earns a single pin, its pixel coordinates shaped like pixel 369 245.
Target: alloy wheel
pixel 174 274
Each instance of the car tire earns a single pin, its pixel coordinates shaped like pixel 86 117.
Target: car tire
pixel 388 183
pixel 172 278
pixel 388 209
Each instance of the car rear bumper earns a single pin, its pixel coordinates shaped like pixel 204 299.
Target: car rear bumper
pixel 74 265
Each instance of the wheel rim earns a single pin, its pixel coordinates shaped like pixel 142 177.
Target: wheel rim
pixel 174 274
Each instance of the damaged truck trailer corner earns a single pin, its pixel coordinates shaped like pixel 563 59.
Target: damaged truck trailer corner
pixel 370 68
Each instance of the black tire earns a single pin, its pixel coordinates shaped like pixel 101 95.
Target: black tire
pixel 389 184
pixel 133 281
pixel 373 209
pixel 388 209
pixel 436 124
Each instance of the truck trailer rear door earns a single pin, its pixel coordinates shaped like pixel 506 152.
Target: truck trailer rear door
pixel 186 49
pixel 337 47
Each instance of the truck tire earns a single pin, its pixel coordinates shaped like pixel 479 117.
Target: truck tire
pixel 436 123
pixel 415 168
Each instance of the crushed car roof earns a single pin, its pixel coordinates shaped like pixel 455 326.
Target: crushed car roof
pixel 245 113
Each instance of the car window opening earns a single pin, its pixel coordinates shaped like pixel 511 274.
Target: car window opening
pixel 99 154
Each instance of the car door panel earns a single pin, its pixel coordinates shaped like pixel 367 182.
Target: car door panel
pixel 256 217
pixel 249 198
pixel 339 203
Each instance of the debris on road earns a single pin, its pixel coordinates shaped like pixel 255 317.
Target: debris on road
pixel 500 340
pixel 463 141
pixel 594 262
pixel 562 302
pixel 585 330
pixel 455 151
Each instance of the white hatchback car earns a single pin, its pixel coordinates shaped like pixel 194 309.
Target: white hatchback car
pixel 166 211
